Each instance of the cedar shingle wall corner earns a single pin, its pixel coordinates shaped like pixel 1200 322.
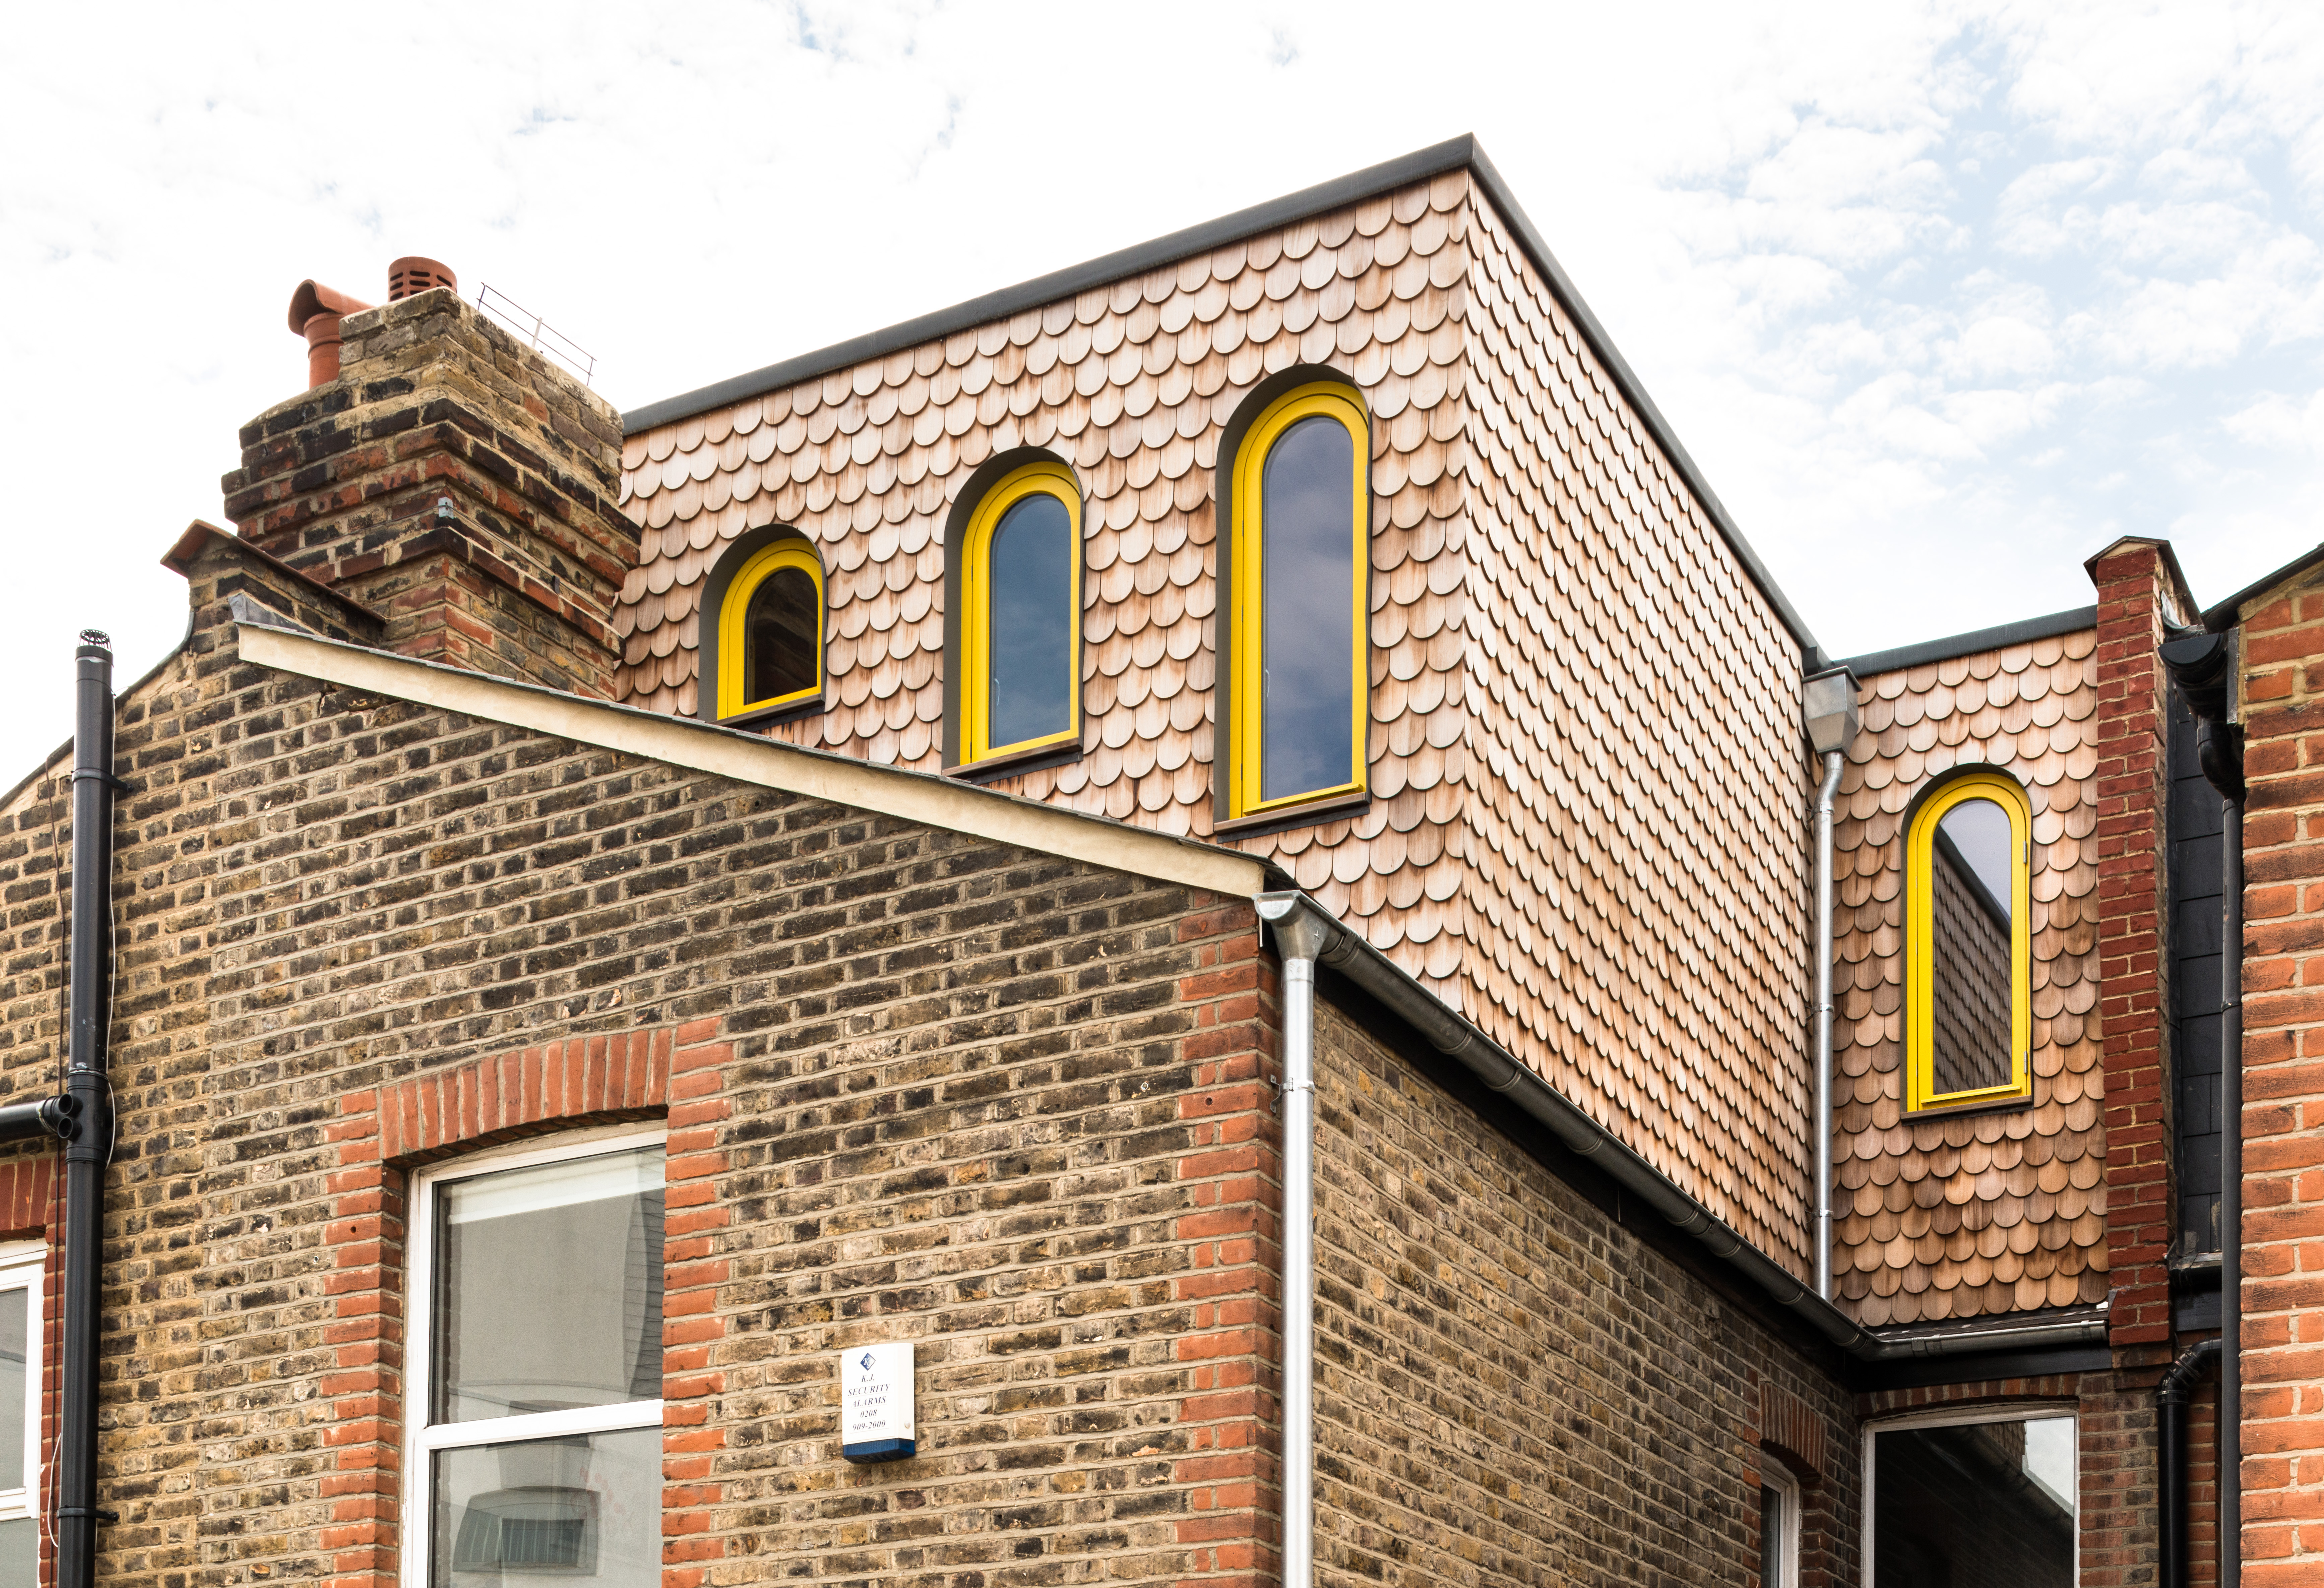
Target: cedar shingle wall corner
pixel 1637 884
pixel 2282 706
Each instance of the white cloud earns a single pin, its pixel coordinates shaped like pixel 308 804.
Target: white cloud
pixel 1908 279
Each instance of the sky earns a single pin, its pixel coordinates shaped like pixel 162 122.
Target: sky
pixel 1942 298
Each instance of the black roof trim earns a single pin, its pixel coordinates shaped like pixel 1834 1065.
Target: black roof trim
pixel 2228 614
pixel 1453 154
pixel 2022 631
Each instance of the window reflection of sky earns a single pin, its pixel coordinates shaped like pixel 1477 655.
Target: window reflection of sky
pixel 1308 595
pixel 1979 831
pixel 2050 1458
pixel 1030 653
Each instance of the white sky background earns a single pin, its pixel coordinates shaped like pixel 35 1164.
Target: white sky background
pixel 1942 298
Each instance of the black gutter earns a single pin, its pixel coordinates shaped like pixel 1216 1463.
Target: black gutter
pixel 1388 984
pixel 2171 1417
pixel 1458 153
pixel 2201 665
pixel 2024 632
pixel 88 1090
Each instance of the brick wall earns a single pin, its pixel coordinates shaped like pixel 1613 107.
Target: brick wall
pixel 2283 712
pixel 1003 1105
pixel 1512 1388
pixel 2119 1521
pixel 459 486
pixel 2132 781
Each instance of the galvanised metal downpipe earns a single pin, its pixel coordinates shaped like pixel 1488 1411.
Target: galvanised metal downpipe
pixel 1829 708
pixel 88 1094
pixel 2171 1415
pixel 1302 931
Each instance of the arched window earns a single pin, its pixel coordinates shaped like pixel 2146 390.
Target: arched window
pixel 1968 1015
pixel 1300 557
pixel 769 653
pixel 1021 631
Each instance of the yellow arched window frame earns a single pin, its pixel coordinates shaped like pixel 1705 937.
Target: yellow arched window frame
pixel 1924 1088
pixel 1246 782
pixel 734 634
pixel 976 708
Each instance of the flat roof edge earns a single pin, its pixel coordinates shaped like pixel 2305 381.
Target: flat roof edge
pixel 2021 632
pixel 1075 279
pixel 1463 152
pixel 1634 391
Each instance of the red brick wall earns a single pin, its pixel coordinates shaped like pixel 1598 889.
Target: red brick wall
pixel 2135 1007
pixel 2282 711
pixel 380 1133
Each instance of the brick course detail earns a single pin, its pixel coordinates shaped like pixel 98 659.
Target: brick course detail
pixel 2283 712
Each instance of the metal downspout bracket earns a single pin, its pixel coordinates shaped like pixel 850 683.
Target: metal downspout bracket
pixel 1302 931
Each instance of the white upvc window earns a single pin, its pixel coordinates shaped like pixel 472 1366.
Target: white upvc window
pixel 22 1265
pixel 534 1386
pixel 1779 1526
pixel 1984 1493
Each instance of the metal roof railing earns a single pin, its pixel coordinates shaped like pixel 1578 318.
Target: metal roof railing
pixel 539 334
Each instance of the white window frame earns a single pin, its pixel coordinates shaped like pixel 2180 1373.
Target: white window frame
pixel 1774 1475
pixel 2015 1411
pixel 24 1266
pixel 423 1438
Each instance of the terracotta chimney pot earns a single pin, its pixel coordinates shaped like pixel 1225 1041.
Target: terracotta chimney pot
pixel 316 311
pixel 414 274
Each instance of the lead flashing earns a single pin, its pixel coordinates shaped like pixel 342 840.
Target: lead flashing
pixel 1458 153
pixel 2022 633
pixel 747 758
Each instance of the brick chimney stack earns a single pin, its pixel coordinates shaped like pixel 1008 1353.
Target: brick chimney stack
pixel 451 479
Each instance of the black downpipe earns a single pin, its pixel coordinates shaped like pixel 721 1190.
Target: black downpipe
pixel 2170 1413
pixel 2231 1186
pixel 90 1093
pixel 2201 665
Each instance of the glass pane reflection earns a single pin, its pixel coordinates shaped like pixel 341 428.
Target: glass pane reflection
pixel 1977 1502
pixel 1307 587
pixel 1029 621
pixel 15 1317
pixel 549 1287
pixel 778 636
pixel 550 1511
pixel 19 1553
pixel 1969 943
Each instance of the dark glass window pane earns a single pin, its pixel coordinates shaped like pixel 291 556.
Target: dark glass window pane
pixel 1976 1504
pixel 778 636
pixel 1307 588
pixel 15 1316
pixel 549 1287
pixel 1031 618
pixel 586 1509
pixel 19 1553
pixel 1971 1017
pixel 1771 1537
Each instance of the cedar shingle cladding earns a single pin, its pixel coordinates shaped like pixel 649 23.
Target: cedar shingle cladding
pixel 1588 831
pixel 2002 1211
